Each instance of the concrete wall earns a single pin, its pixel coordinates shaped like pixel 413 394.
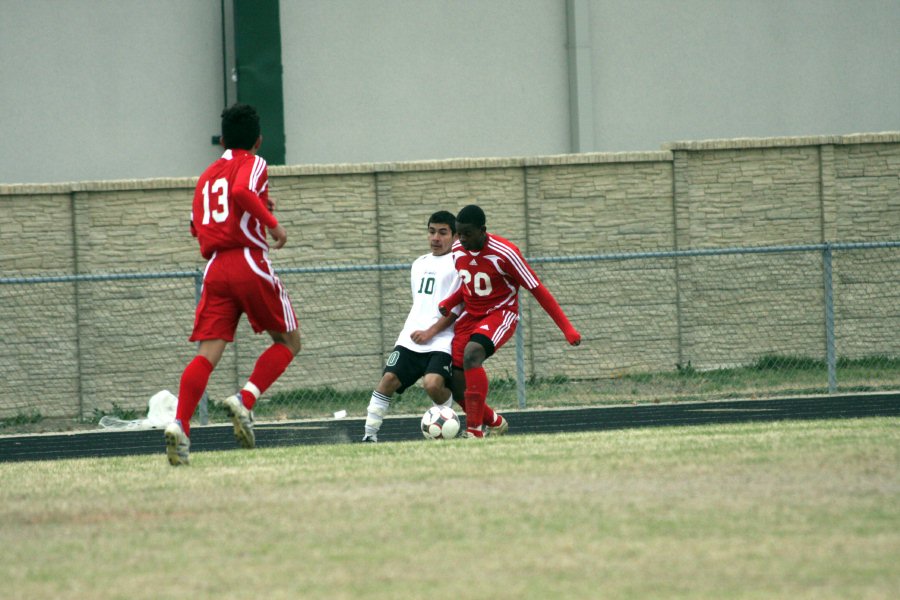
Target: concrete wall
pixel 124 89
pixel 410 80
pixel 702 69
pixel 108 89
pixel 129 338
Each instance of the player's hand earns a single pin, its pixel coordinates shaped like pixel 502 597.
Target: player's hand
pixel 279 235
pixel 421 336
pixel 573 337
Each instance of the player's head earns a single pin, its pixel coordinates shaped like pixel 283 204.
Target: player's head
pixel 441 232
pixel 240 127
pixel 470 227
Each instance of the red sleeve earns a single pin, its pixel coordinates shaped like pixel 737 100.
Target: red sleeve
pixel 253 204
pixel 450 302
pixel 253 175
pixel 516 265
pixel 552 308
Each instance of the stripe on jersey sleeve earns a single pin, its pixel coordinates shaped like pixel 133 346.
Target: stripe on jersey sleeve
pixel 517 263
pixel 259 165
pixel 255 237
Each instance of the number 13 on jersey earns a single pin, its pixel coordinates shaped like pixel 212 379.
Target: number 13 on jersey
pixel 220 190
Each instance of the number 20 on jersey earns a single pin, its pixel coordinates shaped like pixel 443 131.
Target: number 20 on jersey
pixel 482 284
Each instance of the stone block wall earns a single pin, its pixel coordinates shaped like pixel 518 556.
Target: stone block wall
pixel 123 341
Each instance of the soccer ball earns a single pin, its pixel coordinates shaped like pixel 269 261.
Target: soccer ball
pixel 440 423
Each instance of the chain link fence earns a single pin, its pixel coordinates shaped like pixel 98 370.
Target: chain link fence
pixel 656 326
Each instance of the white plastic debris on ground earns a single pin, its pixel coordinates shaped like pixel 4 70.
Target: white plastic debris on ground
pixel 160 412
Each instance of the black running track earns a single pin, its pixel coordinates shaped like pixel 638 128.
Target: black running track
pixel 395 429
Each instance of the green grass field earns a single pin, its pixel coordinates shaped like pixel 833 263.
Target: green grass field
pixel 775 510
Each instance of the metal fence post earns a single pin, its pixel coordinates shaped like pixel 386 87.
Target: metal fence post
pixel 830 355
pixel 520 362
pixel 203 408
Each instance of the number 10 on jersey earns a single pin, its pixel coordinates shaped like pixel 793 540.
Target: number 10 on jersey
pixel 426 286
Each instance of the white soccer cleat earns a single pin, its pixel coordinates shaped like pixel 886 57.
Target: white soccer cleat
pixel 242 420
pixel 499 430
pixel 178 445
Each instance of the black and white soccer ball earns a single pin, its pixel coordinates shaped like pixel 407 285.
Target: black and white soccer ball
pixel 440 423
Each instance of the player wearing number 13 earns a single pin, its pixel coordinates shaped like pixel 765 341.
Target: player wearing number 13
pixel 492 269
pixel 230 217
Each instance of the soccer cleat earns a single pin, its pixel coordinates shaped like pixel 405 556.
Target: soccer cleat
pixel 468 435
pixel 500 429
pixel 242 419
pixel 370 439
pixel 178 445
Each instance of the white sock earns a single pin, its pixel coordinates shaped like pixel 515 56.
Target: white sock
pixel 252 389
pixel 379 404
pixel 448 403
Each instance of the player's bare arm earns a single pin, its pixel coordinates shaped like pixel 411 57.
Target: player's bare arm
pixel 423 336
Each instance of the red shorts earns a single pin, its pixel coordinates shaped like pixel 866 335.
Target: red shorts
pixel 499 326
pixel 237 281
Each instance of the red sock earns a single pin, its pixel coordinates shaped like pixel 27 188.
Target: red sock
pixel 190 390
pixel 476 393
pixel 490 418
pixel 269 367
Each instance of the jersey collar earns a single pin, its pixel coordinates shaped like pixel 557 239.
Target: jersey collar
pixel 487 238
pixel 231 153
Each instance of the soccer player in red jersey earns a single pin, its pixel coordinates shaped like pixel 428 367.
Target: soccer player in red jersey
pixel 492 270
pixel 230 216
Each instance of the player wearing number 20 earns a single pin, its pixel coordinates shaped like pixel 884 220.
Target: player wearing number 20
pixel 492 269
pixel 231 216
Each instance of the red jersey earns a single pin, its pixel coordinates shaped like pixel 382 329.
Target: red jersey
pixel 491 277
pixel 231 200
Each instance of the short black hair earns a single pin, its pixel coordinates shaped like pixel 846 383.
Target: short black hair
pixel 442 216
pixel 471 215
pixel 240 126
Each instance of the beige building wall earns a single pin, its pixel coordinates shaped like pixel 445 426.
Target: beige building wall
pixel 90 343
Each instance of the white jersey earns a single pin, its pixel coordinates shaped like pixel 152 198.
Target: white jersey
pixel 432 278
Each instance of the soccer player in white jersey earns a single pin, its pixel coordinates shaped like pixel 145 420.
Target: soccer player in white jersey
pixel 492 270
pixel 422 349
